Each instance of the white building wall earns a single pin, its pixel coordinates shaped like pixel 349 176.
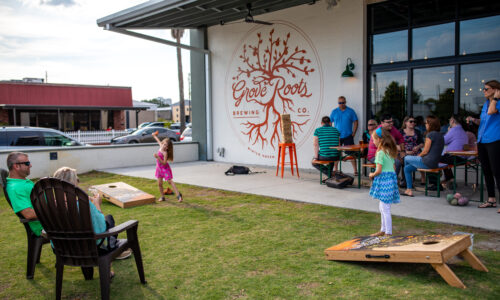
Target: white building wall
pixel 329 36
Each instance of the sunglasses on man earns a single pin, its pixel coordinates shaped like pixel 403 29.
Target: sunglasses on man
pixel 26 163
pixel 341 102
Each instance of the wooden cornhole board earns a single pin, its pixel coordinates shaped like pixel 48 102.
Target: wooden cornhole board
pixel 124 195
pixel 432 249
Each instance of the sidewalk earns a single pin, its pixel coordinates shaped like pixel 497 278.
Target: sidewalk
pixel 307 189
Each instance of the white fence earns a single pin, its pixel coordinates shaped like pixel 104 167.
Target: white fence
pixel 95 137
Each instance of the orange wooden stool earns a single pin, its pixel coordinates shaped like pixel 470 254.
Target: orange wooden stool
pixel 282 154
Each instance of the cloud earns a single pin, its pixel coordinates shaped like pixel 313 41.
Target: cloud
pixel 66 3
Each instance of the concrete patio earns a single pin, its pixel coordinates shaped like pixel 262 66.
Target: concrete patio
pixel 307 189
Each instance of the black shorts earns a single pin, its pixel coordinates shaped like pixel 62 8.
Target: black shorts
pixel 347 141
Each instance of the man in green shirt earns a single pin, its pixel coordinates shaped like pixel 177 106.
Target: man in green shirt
pixel 324 138
pixel 19 188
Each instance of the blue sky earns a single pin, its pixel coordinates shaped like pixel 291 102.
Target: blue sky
pixel 61 37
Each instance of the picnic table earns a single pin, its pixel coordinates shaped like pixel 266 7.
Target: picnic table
pixel 475 164
pixel 357 152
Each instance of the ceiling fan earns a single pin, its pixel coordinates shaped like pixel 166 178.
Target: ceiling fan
pixel 249 18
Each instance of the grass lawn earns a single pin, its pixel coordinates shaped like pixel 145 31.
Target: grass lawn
pixel 227 245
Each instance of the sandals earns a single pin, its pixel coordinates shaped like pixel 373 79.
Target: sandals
pixel 407 195
pixel 161 199
pixel 179 197
pixel 487 204
pixel 380 233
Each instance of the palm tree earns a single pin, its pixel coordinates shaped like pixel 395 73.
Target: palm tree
pixel 177 35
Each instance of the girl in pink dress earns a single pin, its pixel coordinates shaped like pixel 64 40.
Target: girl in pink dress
pixel 163 170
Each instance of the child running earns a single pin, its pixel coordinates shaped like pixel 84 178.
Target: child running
pixel 163 170
pixel 385 181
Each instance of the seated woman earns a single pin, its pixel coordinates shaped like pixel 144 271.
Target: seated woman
pixel 100 223
pixel 413 144
pixel 471 131
pixel 455 140
pixel 367 135
pixel 430 155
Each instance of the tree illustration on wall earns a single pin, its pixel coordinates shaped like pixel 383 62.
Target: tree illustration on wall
pixel 272 77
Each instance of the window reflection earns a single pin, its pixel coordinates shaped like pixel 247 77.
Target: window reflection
pixel 433 92
pixel 434 41
pixel 472 80
pixel 390 47
pixel 389 95
pixel 480 35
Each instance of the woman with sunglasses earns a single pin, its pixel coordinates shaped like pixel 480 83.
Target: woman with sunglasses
pixel 488 140
pixel 413 145
pixel 430 155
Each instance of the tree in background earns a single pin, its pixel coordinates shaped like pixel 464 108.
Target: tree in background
pixel 157 102
pixel 177 35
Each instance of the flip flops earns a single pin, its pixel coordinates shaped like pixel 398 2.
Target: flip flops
pixel 488 204
pixel 407 195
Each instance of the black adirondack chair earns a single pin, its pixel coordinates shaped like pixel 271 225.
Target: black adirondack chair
pixel 63 209
pixel 35 243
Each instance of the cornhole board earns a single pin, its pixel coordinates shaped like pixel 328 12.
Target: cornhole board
pixel 432 249
pixel 124 195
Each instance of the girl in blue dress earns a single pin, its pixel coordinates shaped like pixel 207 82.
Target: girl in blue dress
pixel 385 181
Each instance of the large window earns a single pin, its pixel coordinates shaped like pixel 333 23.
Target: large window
pixel 472 80
pixel 390 47
pixel 431 56
pixel 433 41
pixel 434 92
pixel 389 94
pixel 480 35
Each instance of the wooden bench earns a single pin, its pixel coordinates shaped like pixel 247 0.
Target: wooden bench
pixel 435 173
pixel 329 165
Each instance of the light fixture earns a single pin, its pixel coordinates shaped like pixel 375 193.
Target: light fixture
pixel 348 68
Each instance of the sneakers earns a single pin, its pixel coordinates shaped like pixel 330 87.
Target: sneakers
pixel 125 254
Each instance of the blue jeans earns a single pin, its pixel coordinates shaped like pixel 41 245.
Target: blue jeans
pixel 412 163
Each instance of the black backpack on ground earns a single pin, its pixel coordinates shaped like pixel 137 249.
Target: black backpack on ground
pixel 237 170
pixel 339 180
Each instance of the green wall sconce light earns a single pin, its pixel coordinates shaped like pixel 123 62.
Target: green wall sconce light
pixel 348 68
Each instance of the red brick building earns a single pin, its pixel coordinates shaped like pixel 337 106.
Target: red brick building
pixel 64 106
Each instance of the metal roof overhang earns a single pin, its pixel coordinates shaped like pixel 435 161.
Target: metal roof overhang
pixel 191 14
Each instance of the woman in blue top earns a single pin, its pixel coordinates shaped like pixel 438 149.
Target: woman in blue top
pixel 488 140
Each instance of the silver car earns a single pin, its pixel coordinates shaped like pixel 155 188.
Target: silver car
pixel 145 135
pixel 16 137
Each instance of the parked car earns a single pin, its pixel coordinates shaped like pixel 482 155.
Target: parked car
pixel 130 130
pixel 144 124
pixel 27 137
pixel 145 135
pixel 186 135
pixel 174 126
pixel 157 124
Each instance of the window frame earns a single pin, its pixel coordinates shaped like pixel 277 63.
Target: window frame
pixel 410 65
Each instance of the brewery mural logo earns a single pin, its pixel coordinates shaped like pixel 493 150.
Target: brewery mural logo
pixel 274 70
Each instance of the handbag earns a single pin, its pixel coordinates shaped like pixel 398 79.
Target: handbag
pixel 237 170
pixel 339 180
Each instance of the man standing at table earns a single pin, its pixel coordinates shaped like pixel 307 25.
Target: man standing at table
pixel 387 123
pixel 346 121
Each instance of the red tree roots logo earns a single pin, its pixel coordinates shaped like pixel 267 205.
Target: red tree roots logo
pixel 271 74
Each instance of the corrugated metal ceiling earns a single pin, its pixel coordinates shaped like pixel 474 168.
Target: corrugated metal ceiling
pixel 156 14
